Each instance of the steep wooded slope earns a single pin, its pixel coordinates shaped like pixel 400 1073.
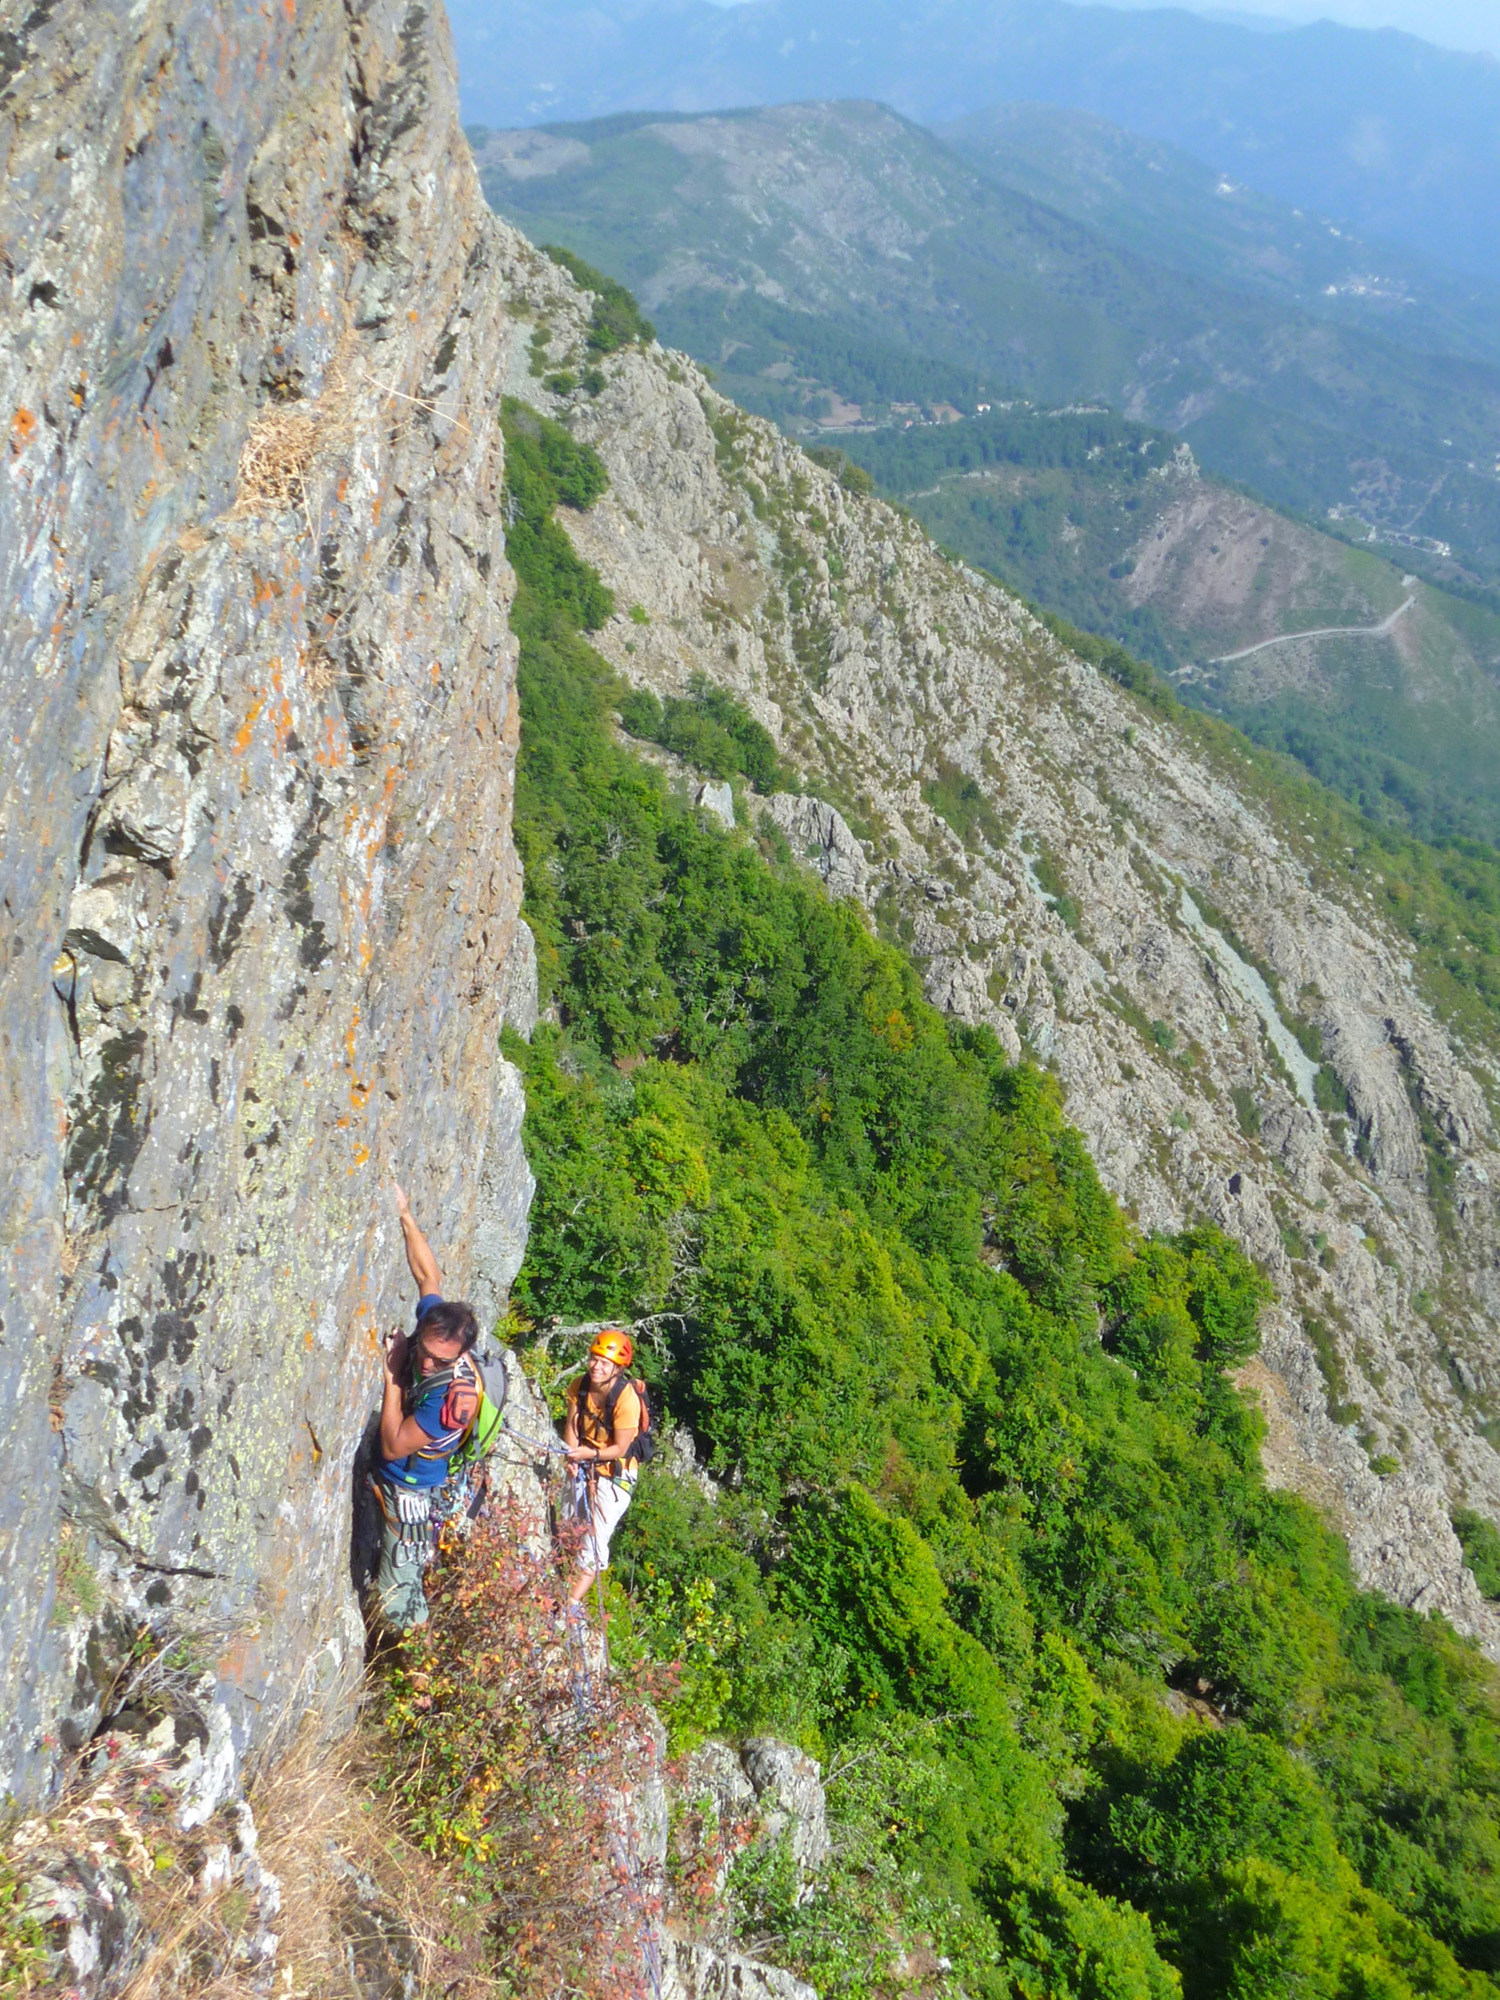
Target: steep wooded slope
pixel 1128 897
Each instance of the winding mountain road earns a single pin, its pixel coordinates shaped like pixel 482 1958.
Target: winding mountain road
pixel 1322 632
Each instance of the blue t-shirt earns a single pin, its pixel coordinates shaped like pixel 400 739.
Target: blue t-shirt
pixel 428 1467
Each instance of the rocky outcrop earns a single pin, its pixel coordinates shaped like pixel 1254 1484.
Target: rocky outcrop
pixel 789 1792
pixel 259 890
pixel 693 1972
pixel 1109 892
pixel 721 1802
pixel 818 835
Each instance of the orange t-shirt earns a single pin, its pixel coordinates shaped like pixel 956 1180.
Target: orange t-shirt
pixel 591 1424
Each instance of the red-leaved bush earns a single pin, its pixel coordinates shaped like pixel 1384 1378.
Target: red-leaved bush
pixel 517 1761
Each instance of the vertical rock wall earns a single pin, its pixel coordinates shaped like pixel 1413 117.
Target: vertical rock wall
pixel 258 890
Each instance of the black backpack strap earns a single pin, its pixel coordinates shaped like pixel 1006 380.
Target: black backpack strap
pixel 617 1389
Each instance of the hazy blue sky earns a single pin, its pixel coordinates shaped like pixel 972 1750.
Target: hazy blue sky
pixel 1457 24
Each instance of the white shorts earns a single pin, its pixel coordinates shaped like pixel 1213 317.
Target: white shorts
pixel 600 1508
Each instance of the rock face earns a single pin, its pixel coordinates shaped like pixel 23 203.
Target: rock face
pixel 789 1791
pixel 1105 891
pixel 726 1801
pixel 693 1972
pixel 260 896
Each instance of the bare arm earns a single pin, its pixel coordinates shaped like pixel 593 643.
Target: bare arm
pixel 399 1434
pixel 419 1258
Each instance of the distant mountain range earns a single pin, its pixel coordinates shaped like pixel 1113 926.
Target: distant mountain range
pixel 1147 196
pixel 837 251
pixel 1380 132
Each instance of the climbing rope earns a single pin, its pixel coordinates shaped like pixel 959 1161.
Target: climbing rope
pixel 590 1708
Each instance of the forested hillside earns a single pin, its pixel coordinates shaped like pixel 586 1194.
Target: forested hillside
pixel 1187 212
pixel 1114 527
pixel 1262 1008
pixel 989 1513
pixel 773 243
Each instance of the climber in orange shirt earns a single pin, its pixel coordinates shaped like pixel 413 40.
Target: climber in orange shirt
pixel 603 1436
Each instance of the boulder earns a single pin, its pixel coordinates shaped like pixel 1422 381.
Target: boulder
pixel 789 1793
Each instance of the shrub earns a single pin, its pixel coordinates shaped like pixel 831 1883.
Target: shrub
pixel 545 468
pixel 617 320
pixel 506 1759
pixel 1481 1546
pixel 708 729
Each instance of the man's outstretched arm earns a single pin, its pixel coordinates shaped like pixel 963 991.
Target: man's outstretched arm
pixel 419 1257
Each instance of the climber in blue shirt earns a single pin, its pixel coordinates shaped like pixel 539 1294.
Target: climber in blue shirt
pixel 431 1397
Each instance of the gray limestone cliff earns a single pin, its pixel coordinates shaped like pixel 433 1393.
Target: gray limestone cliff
pixel 260 899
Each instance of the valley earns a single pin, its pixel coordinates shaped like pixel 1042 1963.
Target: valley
pixel 1154 198
pixel 769 241
pixel 846 274
pixel 1117 529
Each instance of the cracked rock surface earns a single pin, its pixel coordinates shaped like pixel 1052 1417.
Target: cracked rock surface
pixel 260 898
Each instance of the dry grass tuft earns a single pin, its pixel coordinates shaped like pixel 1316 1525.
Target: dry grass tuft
pixel 275 457
pixel 332 1838
pixel 319 674
pixel 360 1912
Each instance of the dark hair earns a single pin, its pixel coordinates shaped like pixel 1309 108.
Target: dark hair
pixel 453 1320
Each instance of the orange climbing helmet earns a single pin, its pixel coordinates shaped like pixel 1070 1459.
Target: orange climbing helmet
pixel 612 1345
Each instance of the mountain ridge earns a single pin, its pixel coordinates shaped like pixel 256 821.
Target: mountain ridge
pixel 895 680
pixel 1254 105
pixel 825 259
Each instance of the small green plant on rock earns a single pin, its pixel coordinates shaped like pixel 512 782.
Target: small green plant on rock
pixel 78 1593
pixel 1480 1539
pixel 24 1956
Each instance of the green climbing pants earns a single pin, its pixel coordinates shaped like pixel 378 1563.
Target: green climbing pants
pixel 406 1548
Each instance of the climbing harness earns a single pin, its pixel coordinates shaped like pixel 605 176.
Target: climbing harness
pixel 409 1510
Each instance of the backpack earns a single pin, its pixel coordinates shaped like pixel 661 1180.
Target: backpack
pixel 476 1408
pixel 643 1450
pixel 474 1392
